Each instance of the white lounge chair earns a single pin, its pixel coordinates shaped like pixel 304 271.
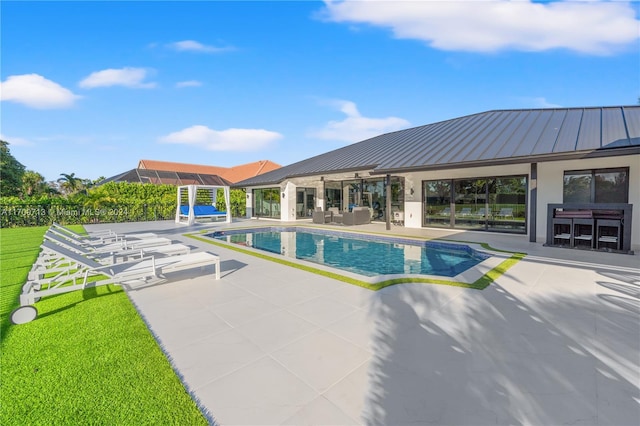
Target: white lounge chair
pixel 115 245
pixel 48 261
pixel 101 236
pixel 119 273
pixel 135 248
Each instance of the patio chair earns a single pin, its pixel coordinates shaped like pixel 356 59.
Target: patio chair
pixel 336 216
pixel 505 212
pixel 82 268
pixel 320 216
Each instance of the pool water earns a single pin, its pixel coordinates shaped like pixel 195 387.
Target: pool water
pixel 365 255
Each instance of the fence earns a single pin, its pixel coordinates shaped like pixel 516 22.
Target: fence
pixel 13 215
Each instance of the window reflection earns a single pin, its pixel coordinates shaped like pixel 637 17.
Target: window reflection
pixel 437 194
pixel 495 203
pixel 266 202
pixel 596 186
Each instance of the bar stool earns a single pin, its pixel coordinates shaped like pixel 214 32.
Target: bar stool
pixel 583 232
pixel 609 231
pixel 562 231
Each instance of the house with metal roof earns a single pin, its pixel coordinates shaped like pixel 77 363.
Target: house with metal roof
pixel 562 176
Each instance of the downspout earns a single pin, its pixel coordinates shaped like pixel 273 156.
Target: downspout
pixel 388 190
pixel 533 202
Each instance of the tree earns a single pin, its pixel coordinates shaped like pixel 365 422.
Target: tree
pixel 33 184
pixel 69 183
pixel 11 171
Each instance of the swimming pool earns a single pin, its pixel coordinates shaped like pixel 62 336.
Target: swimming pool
pixel 368 255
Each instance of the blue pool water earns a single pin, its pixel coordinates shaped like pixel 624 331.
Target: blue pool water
pixel 362 254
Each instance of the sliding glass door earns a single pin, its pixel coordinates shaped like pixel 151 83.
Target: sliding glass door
pixel 488 203
pixel 266 202
pixel 305 202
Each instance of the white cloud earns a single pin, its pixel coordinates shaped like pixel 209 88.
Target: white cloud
pixel 35 91
pixel 14 141
pixel 355 127
pixel 223 140
pixel 592 27
pixel 541 102
pixel 127 77
pixel 188 83
pixel 194 46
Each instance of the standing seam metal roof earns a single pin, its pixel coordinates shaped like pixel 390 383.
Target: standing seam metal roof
pixel 504 136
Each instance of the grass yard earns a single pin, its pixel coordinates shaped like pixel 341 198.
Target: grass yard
pixel 87 359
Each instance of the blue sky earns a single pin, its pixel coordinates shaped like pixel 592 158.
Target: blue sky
pixel 92 87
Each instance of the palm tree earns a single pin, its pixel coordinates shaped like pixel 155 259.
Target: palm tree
pixel 33 184
pixel 69 183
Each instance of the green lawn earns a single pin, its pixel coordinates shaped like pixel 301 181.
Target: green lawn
pixel 87 359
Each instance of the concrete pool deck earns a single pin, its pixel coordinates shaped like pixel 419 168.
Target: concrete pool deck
pixel 555 340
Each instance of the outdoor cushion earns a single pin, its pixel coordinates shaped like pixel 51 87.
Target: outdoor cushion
pixel 201 211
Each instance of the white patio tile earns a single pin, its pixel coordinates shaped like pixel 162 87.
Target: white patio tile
pixel 353 295
pixel 275 330
pixel 244 309
pixel 219 293
pixel 323 285
pixel 322 310
pixel 356 328
pixel 262 393
pixel 260 284
pixel 320 411
pixel 189 327
pixel 214 356
pixel 349 393
pixel 321 359
pixel 292 293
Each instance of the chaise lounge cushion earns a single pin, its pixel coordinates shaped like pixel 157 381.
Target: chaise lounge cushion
pixel 201 211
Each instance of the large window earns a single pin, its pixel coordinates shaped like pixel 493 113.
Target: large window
pixel 437 196
pixel 596 186
pixel 266 202
pixel 370 192
pixel 470 203
pixel 507 204
pixel 488 203
pixel 305 202
pixel 333 194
